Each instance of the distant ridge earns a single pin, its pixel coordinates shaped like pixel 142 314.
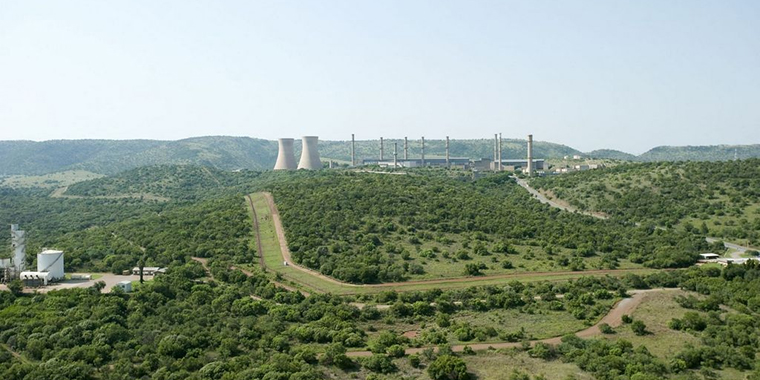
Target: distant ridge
pixel 230 153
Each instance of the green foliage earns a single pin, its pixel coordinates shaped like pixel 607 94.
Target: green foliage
pixel 638 327
pixel 113 156
pixel 448 367
pixel 352 226
pixel 669 194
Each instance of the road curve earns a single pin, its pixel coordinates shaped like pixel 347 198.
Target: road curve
pixel 280 231
pixel 738 249
pixel 613 318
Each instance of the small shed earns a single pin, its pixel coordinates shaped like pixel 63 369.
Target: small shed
pixel 709 256
pixel 126 286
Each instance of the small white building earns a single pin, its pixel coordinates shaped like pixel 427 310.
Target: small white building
pixel 709 256
pixel 149 271
pixel 126 286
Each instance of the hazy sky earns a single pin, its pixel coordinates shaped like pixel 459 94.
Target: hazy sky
pixel 627 75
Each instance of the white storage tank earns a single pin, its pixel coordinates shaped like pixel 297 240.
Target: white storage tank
pixel 51 261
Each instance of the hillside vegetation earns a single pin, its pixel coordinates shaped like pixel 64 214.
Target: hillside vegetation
pixel 367 228
pixel 233 153
pixel 716 199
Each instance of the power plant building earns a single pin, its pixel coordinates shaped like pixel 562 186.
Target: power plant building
pixel 310 154
pixel 286 159
pixel 49 268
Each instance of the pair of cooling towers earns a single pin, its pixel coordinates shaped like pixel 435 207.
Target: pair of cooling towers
pixel 286 159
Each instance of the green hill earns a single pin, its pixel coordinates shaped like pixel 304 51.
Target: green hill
pixel 701 153
pixel 715 198
pixel 113 156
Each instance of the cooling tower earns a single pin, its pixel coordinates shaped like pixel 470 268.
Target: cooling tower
pixel 310 154
pixel 286 159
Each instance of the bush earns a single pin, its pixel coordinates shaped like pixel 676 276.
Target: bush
pixel 606 329
pixel 627 318
pixel 379 363
pixel 638 327
pixel 447 367
pixel 414 360
pixel 395 351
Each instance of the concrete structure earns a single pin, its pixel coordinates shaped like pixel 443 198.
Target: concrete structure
pixel 514 164
pixel 11 268
pixel 708 256
pixel 51 261
pixel 149 271
pixel 530 155
pixel 447 152
pixel 454 162
pixel 395 154
pixel 18 243
pixel 406 149
pixel 310 154
pixel 286 159
pixel 353 151
pixel 423 150
pixel 501 167
pixel 382 153
pixel 126 286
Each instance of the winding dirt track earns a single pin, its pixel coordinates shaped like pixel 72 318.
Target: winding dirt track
pixel 613 318
pixel 280 231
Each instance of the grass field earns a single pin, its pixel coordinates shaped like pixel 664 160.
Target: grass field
pixel 51 180
pixel 656 311
pixel 500 365
pixel 272 257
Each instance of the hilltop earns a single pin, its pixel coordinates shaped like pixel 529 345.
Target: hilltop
pixel 108 157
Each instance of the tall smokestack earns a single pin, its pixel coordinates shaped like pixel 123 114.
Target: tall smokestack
pixel 530 155
pixel 310 153
pixel 286 159
pixel 406 149
pixel 500 167
pixel 382 156
pixel 495 149
pixel 353 151
pixel 448 163
pixel 395 155
pixel 423 150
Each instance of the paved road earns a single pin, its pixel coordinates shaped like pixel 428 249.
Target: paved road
pixel 109 278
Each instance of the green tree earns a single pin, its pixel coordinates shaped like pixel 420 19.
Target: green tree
pixel 448 367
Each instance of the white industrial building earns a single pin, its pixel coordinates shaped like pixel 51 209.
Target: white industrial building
pixel 10 268
pixel 49 268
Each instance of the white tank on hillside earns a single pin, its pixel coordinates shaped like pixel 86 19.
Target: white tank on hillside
pixel 51 261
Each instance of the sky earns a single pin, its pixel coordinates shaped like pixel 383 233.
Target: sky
pixel 627 75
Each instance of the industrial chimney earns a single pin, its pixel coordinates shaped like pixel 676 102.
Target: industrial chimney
pixel 286 159
pixel 530 155
pixel 310 154
pixel 448 162
pixel 500 162
pixel 353 151
pixel 382 155
pixel 423 151
pixel 406 149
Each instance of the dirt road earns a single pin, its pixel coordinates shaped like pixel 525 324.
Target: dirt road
pixel 280 231
pixel 613 318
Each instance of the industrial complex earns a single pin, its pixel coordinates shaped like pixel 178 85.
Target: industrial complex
pixel 49 263
pixel 310 157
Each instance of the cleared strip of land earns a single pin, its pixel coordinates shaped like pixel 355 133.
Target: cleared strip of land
pixel 273 253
